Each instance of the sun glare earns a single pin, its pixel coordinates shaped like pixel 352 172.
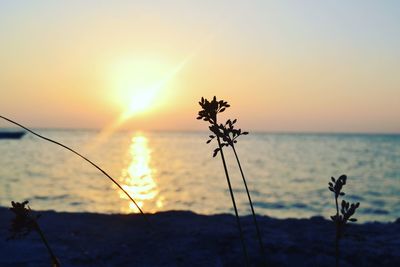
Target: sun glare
pixel 141 85
pixel 140 101
pixel 135 86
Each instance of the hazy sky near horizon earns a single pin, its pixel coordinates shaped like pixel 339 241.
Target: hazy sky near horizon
pixel 325 66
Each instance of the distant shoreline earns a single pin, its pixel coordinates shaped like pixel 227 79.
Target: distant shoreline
pixel 182 238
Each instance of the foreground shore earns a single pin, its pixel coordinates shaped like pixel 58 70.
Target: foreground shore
pixel 181 238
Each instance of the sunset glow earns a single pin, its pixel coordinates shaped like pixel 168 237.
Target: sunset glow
pixel 284 66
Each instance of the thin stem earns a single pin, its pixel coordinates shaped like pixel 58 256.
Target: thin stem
pixel 251 206
pixel 337 232
pixel 55 262
pixel 233 202
pixel 86 159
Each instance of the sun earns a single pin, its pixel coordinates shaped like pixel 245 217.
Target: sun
pixel 140 100
pixel 137 85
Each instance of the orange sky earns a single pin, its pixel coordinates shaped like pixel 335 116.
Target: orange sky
pixel 283 66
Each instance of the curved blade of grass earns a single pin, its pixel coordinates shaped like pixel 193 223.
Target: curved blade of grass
pixel 83 157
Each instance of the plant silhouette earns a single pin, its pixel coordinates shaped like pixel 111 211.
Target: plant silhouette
pixel 346 211
pixel 229 134
pixel 209 112
pixel 24 223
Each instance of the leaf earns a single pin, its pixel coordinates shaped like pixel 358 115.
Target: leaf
pixel 342 193
pixel 222 110
pixel 353 219
pixel 234 121
pixel 343 177
pixel 208 141
pixel 245 133
pixel 215 152
pixel 333 179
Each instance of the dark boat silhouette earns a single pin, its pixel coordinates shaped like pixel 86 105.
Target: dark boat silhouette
pixel 11 135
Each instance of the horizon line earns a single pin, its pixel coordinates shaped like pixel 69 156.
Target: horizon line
pixel 307 132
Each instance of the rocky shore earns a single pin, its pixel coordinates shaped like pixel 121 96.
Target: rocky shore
pixel 183 238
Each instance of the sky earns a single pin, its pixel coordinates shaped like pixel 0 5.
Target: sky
pixel 285 66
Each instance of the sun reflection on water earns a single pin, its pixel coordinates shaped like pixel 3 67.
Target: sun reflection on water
pixel 137 177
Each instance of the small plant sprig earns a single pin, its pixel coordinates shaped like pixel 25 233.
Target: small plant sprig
pixel 24 223
pixel 347 210
pixel 208 113
pixel 210 109
pixel 229 134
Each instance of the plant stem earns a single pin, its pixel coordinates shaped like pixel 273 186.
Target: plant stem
pixel 337 232
pixel 233 202
pixel 86 159
pixel 55 262
pixel 251 206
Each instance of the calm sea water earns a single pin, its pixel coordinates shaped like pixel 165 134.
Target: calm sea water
pixel 287 173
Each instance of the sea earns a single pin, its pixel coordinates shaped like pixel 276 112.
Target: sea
pixel 287 173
